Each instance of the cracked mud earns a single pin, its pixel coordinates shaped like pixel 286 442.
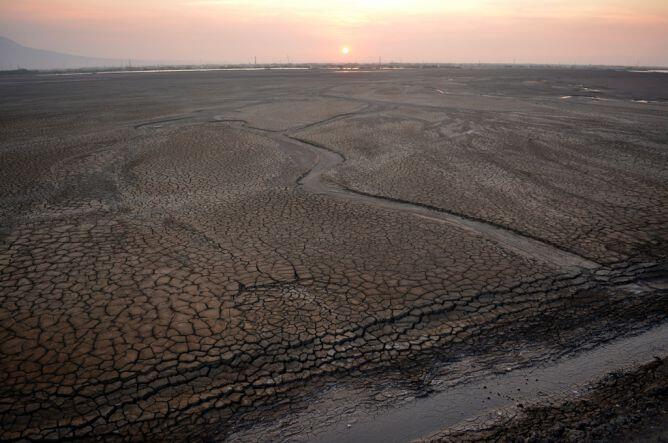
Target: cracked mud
pixel 251 256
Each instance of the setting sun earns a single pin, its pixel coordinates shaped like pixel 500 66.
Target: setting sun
pixel 345 50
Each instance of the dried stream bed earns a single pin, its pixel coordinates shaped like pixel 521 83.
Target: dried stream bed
pixel 254 255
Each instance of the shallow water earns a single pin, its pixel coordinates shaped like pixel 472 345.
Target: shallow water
pixel 481 398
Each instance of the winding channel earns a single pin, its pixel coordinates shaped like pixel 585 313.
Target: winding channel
pixel 327 159
pixel 320 160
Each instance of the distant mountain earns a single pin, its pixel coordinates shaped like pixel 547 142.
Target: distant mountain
pixel 14 56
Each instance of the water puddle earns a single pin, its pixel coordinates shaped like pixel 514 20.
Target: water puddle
pixel 486 397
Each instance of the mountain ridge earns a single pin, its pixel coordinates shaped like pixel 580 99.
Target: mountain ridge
pixel 13 55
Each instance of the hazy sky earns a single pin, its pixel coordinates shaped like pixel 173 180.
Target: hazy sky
pixel 542 31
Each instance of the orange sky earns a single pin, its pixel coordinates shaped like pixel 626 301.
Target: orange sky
pixel 540 31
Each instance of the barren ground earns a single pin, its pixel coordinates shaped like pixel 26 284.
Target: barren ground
pixel 251 256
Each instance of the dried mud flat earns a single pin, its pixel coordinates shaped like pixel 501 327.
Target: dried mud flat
pixel 295 256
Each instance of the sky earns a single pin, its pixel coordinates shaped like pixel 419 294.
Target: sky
pixel 625 32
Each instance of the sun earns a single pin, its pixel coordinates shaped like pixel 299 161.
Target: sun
pixel 345 50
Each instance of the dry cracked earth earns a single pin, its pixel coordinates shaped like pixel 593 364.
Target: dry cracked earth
pixel 207 256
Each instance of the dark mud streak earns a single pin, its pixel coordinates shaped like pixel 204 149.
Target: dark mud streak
pixel 160 122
